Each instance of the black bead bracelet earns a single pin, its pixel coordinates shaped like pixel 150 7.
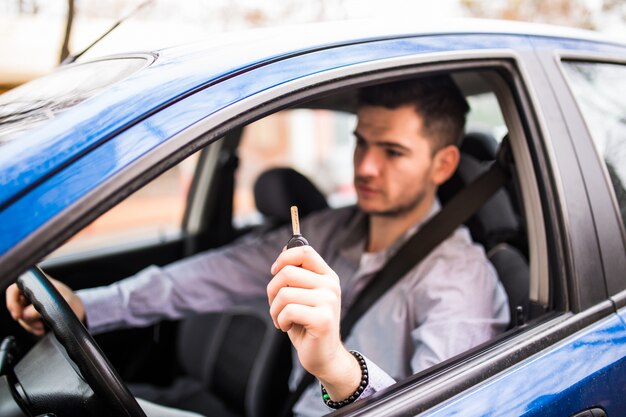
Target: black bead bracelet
pixel 354 396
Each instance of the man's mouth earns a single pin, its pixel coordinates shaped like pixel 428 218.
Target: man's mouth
pixel 365 189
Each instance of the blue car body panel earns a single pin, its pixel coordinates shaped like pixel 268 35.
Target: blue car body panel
pixel 583 371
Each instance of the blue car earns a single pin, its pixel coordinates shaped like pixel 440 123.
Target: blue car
pixel 113 164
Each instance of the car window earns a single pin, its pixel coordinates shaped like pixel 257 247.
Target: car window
pixel 153 213
pixel 316 143
pixel 599 89
pixel 319 144
pixel 485 116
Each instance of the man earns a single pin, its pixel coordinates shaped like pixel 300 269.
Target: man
pixel 407 135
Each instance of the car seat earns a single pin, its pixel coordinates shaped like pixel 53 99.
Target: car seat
pixel 497 225
pixel 235 363
pixel 276 189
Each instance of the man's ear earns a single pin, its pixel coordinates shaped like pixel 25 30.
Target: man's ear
pixel 445 162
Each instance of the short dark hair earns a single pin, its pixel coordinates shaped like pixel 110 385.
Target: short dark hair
pixel 436 98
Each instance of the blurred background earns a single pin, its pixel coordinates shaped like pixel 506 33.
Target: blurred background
pixel 35 35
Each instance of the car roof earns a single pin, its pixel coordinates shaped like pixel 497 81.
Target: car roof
pixel 176 73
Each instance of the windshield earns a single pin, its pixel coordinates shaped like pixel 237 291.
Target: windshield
pixel 30 104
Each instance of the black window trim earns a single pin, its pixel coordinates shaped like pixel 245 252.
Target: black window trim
pixel 611 231
pixel 581 253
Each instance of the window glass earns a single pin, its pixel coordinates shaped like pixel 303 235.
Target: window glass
pixel 600 90
pixel 155 212
pixel 485 116
pixel 25 106
pixel 317 143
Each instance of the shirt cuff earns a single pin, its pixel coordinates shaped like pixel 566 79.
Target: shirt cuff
pixel 378 379
pixel 101 311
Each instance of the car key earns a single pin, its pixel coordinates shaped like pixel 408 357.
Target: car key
pixel 297 239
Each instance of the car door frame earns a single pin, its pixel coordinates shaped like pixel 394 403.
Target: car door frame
pixel 611 233
pixel 589 307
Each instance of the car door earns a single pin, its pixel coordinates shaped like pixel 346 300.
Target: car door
pixel 149 228
pixel 578 363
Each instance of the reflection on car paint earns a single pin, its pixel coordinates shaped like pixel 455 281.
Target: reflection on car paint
pixel 590 362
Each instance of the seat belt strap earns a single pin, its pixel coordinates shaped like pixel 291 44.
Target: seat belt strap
pixel 456 212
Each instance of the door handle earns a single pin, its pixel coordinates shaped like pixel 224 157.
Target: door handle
pixel 592 412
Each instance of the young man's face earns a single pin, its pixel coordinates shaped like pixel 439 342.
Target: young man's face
pixel 394 168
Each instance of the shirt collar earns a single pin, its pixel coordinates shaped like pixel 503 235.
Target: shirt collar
pixel 352 245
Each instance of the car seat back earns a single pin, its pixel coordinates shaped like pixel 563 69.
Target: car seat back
pixel 276 189
pixel 239 357
pixel 497 225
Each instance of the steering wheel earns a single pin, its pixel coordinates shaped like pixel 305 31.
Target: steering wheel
pixel 78 343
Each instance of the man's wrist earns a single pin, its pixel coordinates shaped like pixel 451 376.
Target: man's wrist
pixel 345 377
pixel 354 395
pixel 78 307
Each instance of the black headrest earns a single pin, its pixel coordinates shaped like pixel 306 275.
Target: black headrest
pixel 496 220
pixel 279 188
pixel 480 145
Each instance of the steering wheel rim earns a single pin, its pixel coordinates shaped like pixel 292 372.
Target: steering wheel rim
pixel 78 343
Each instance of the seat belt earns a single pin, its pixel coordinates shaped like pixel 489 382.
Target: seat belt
pixel 456 212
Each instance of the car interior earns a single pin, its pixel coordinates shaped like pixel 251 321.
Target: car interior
pixel 241 187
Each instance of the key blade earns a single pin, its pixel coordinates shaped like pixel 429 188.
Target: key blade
pixel 295 221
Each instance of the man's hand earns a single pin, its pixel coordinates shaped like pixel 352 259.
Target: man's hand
pixel 26 315
pixel 305 302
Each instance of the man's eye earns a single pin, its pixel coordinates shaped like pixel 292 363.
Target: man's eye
pixel 392 153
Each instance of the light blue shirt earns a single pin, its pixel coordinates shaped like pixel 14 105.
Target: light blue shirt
pixel 450 302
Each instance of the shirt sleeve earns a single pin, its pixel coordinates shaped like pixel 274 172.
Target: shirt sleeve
pixel 378 379
pixel 209 281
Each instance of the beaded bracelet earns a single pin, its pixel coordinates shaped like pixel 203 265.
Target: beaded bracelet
pixel 362 385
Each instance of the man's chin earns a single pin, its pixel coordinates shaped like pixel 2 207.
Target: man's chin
pixel 377 210
pixel 372 210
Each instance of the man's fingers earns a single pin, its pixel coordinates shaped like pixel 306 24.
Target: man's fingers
pixel 296 314
pixel 31 320
pixel 29 314
pixel 290 295
pixel 13 301
pixel 292 276
pixel 23 312
pixel 35 328
pixel 304 256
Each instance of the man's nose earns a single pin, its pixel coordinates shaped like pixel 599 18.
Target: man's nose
pixel 368 163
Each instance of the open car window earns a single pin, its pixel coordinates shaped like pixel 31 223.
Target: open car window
pixel 316 139
pixel 318 143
